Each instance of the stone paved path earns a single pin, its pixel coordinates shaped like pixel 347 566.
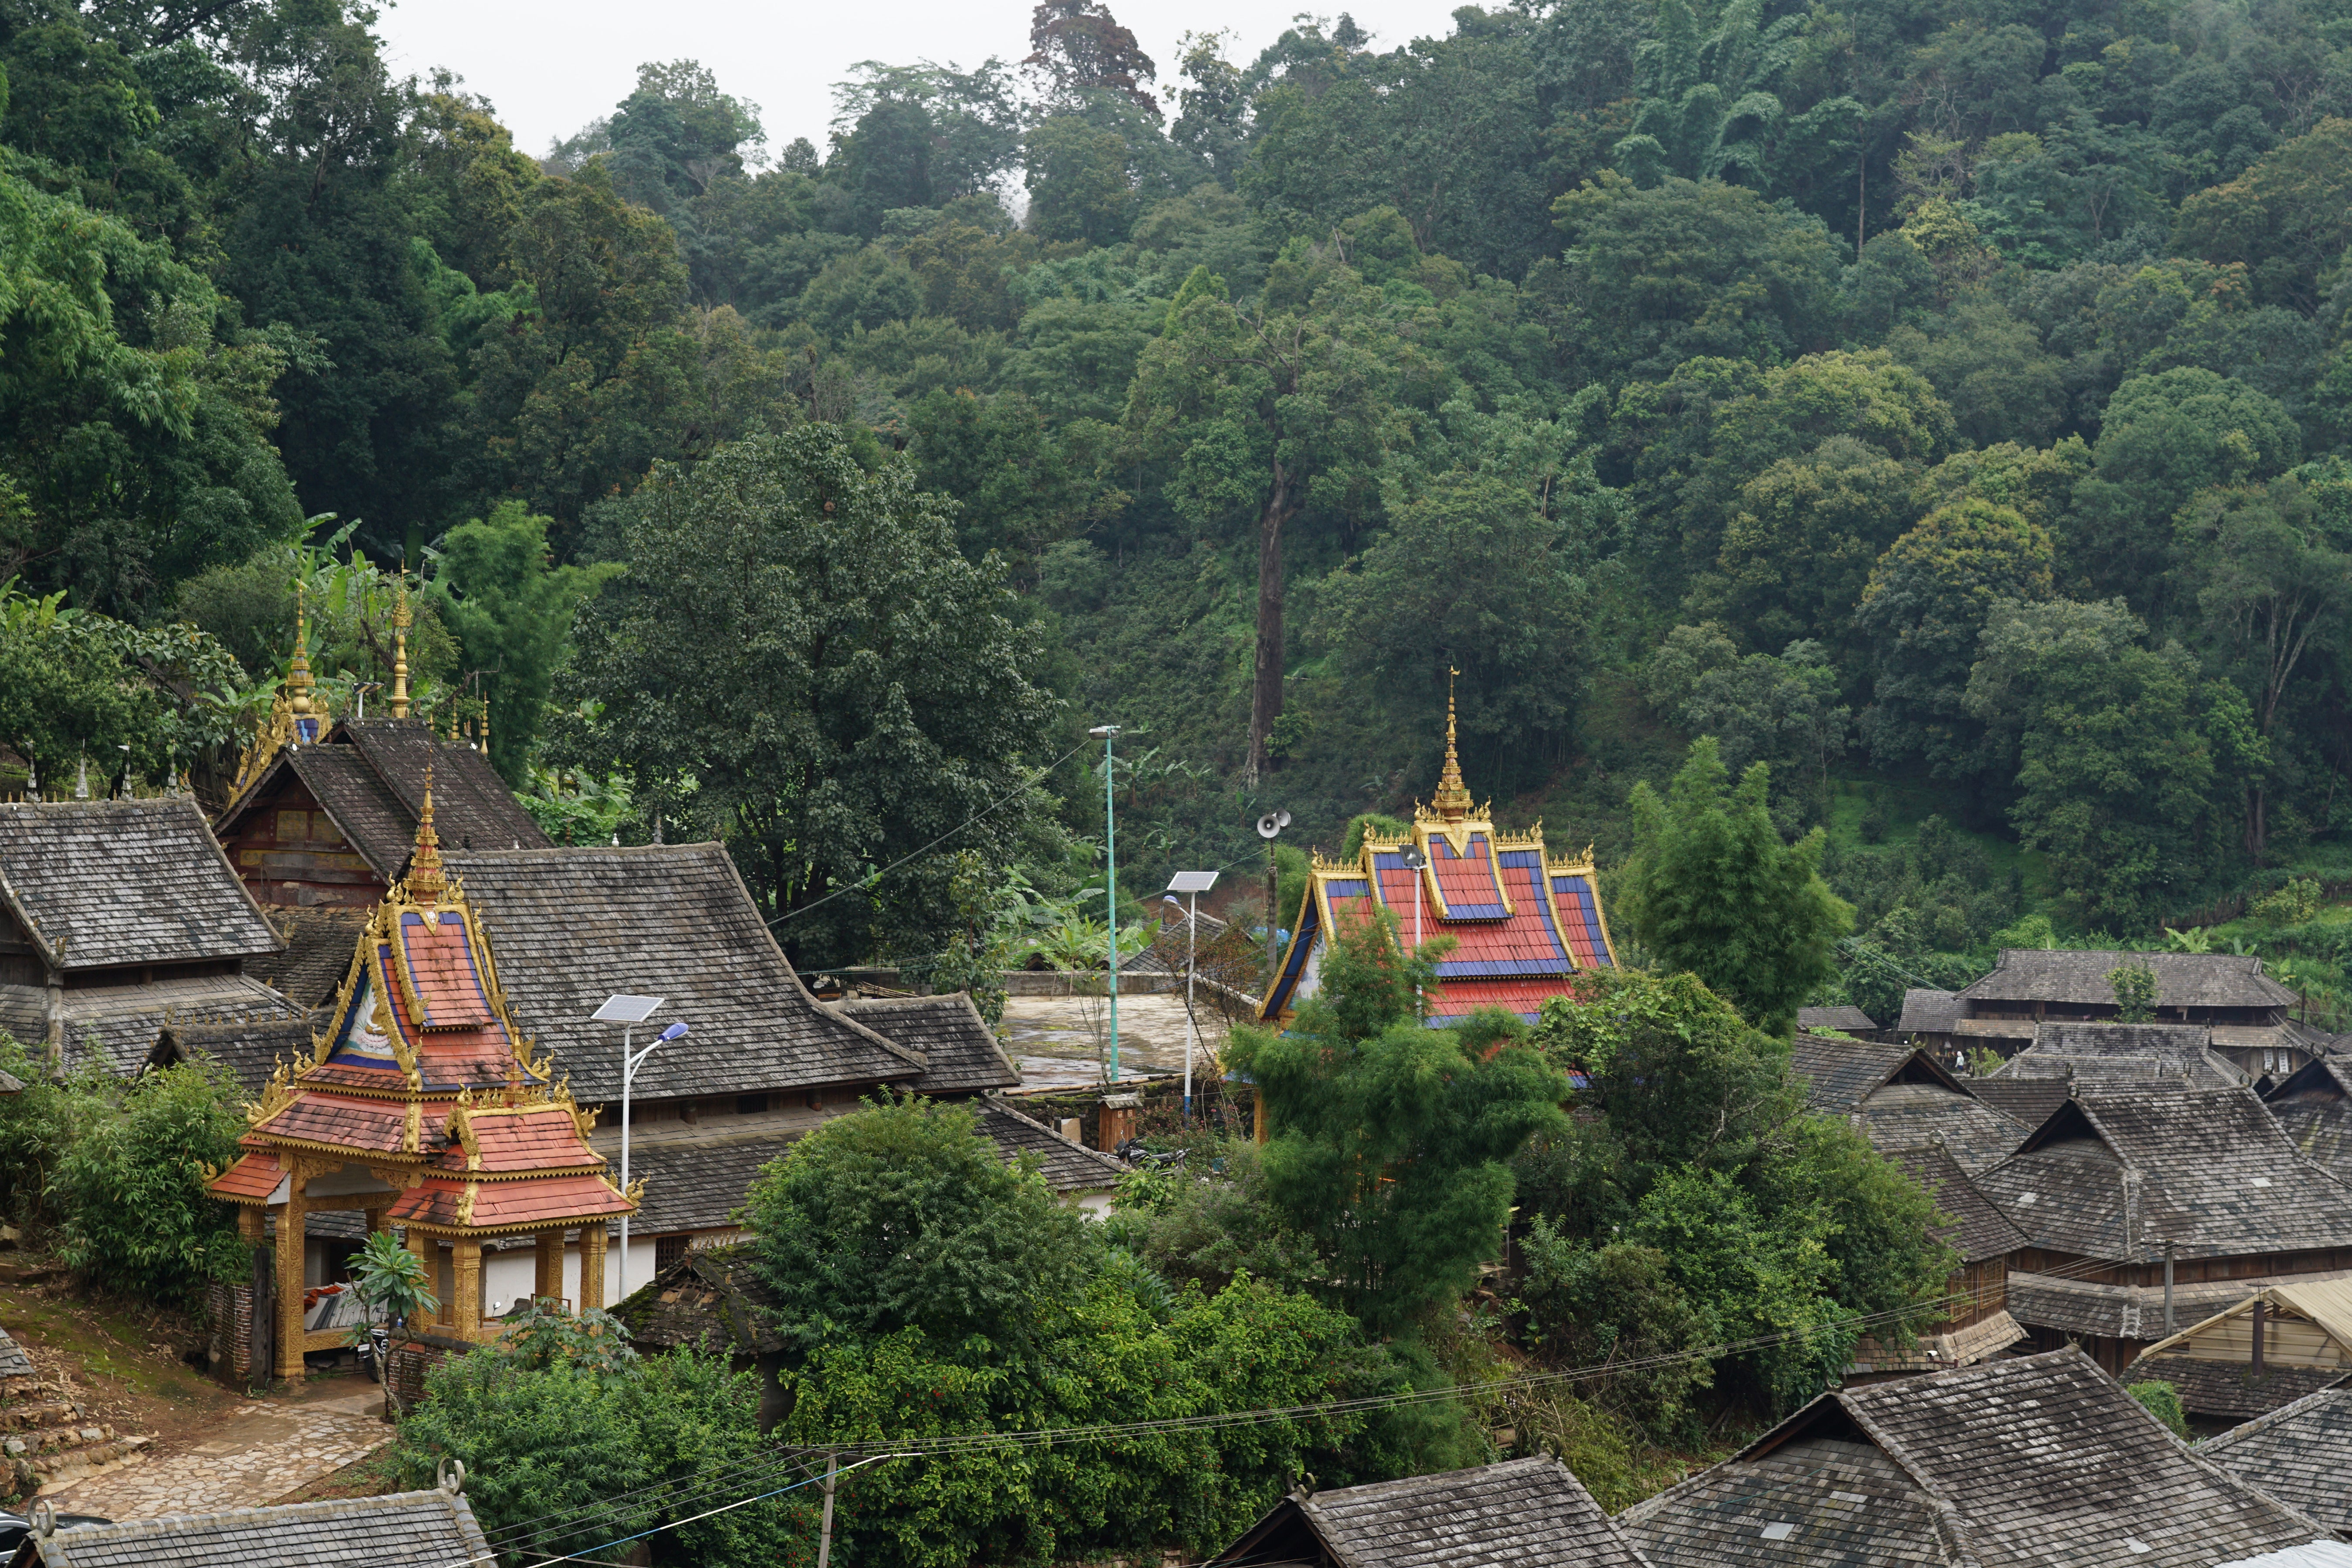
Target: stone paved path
pixel 263 1451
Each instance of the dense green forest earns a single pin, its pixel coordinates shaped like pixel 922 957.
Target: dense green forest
pixel 1946 405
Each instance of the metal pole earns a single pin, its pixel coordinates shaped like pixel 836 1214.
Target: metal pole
pixel 1273 922
pixel 1110 893
pixel 825 1531
pixel 625 1077
pixel 1192 957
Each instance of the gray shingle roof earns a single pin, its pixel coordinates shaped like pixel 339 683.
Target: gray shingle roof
pixel 97 883
pixel 372 818
pixel 9 1084
pixel 1902 1098
pixel 406 1529
pixel 2035 1461
pixel 1977 1230
pixel 2315 1105
pixel 14 1362
pixel 1067 1166
pixel 959 1048
pixel 319 946
pixel 250 1049
pixel 1846 1018
pixel 2128 1311
pixel 2027 1102
pixel 570 927
pixel 2301 1454
pixel 2123 1052
pixel 472 806
pixel 2208 1168
pixel 1929 1011
pixel 1522 1511
pixel 118 1026
pixel 2182 979
pixel 2221 1391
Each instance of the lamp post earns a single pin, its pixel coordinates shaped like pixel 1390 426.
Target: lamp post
pixel 1109 732
pixel 1193 884
pixel 629 1011
pixel 1416 860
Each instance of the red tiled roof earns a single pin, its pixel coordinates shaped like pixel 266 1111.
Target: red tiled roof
pixel 544 1138
pixel 255 1176
pixel 509 1204
pixel 441 965
pixel 375 1126
pixel 1467 880
pixel 1455 1000
pixel 1580 913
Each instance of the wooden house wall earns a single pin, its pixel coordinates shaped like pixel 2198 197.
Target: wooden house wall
pixel 290 853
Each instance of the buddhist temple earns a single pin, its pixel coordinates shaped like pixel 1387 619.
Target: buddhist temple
pixel 421 1106
pixel 1523 922
pixel 323 810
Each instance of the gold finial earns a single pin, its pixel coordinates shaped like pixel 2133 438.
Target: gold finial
pixel 298 678
pixel 485 747
pixel 1451 803
pixel 400 622
pixel 425 883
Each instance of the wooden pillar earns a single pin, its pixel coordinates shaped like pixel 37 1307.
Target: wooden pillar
pixel 465 1317
pixel 547 1274
pixel 592 1266
pixel 253 1224
pixel 291 1232
pixel 374 1221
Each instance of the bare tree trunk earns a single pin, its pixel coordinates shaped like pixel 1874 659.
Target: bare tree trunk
pixel 1265 689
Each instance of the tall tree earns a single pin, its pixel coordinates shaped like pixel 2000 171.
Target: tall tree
pixel 895 691
pixel 1712 889
pixel 1079 48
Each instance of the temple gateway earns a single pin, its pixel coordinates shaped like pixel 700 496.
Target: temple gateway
pixel 1523 922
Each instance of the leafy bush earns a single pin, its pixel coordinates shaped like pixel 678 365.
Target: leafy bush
pixel 2293 904
pixel 2163 1402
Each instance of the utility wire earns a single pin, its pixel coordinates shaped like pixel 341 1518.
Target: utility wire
pixel 871 878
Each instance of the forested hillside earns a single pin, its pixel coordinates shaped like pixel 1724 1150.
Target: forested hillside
pixel 1947 405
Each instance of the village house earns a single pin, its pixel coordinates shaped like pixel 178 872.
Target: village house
pixel 2243 1011
pixel 1494 1516
pixel 2181 1053
pixel 1977 1322
pixel 322 812
pixel 1524 923
pixel 2268 1350
pixel 2038 1459
pixel 404 1529
pixel 1901 1096
pixel 2314 1103
pixel 119 916
pixel 1843 1020
pixel 2300 1454
pixel 2151 1206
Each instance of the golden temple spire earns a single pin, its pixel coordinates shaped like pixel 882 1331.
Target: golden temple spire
pixel 298 678
pixel 1451 801
pixel 425 881
pixel 400 622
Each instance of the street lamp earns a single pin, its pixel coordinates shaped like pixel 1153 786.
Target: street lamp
pixel 1107 733
pixel 1193 884
pixel 1415 860
pixel 629 1011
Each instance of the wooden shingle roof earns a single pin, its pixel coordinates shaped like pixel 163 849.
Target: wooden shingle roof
pixel 317 954
pixel 1902 1098
pixel 1929 1011
pixel 2123 1052
pixel 117 1026
pixel 574 926
pixel 713 1300
pixel 1519 1512
pixel 2182 979
pixel 2300 1454
pixel 2315 1105
pixel 1067 1166
pixel 2116 1171
pixel 960 1052
pixel 1844 1018
pixel 250 1049
pixel 1977 1230
pixel 405 1529
pixel 2028 1461
pixel 99 884
pixel 2027 1102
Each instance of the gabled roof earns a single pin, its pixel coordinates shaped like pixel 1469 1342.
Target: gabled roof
pixel 250 1049
pixel 1929 1011
pixel 405 1529
pixel 1845 1018
pixel 574 926
pixel 2116 1171
pixel 2182 979
pixel 317 954
pixel 960 1052
pixel 1902 1098
pixel 2300 1454
pixel 2315 1105
pixel 101 883
pixel 1519 1512
pixel 2034 1460
pixel 1977 1230
pixel 2182 1052
pixel 2307 1345
pixel 116 1026
pixel 2028 1101
pixel 1069 1166
pixel 713 1299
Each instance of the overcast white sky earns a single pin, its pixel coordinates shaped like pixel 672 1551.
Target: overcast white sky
pixel 549 68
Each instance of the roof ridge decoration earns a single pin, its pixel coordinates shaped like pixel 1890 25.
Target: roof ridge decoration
pixel 400 623
pixel 298 717
pixel 425 884
pixel 1451 801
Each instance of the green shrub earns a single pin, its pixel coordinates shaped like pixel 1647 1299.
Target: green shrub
pixel 2163 1402
pixel 2293 904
